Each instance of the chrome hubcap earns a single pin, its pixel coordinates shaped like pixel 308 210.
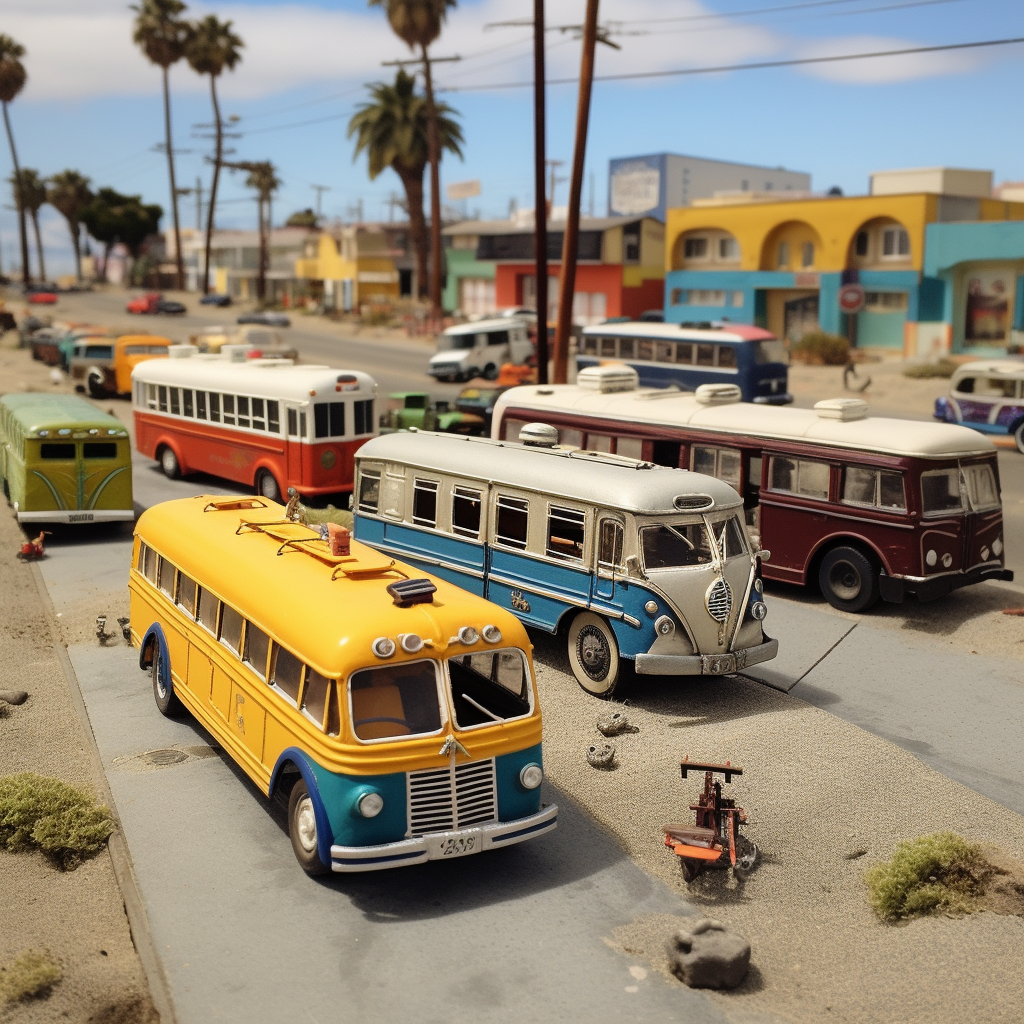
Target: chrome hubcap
pixel 305 822
pixel 593 652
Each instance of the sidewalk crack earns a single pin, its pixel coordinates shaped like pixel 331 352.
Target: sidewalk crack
pixel 823 657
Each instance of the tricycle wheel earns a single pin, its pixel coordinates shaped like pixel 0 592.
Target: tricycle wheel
pixel 691 869
pixel 746 858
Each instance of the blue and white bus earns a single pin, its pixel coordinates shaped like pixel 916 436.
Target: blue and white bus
pixel 690 354
pixel 631 560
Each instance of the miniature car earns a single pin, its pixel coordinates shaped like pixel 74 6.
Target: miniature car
pixel 144 303
pixel 987 396
pixel 170 307
pixel 215 300
pixel 414 410
pixel 42 298
pixel 267 317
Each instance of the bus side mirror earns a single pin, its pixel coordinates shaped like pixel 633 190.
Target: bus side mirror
pixel 632 565
pixel 764 555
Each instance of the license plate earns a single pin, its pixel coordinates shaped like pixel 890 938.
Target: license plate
pixel 84 517
pixel 447 847
pixel 718 664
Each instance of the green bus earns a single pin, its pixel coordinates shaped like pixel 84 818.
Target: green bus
pixel 64 461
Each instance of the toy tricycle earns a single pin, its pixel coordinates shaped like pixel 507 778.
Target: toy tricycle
pixel 715 840
pixel 33 549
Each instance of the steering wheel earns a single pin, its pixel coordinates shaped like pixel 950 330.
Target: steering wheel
pixel 382 718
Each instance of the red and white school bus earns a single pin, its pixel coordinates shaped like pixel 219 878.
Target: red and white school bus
pixel 866 507
pixel 264 422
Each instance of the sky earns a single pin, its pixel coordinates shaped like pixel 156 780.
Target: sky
pixel 93 102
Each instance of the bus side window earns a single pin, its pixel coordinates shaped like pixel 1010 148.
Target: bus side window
pixel 609 553
pixel 273 416
pixel 257 648
pixel 200 405
pixel 644 349
pixel 161 391
pixel 510 429
pixel 302 425
pixel 631 447
pixel 665 351
pixel 165 577
pixel 684 353
pixel 186 402
pixel 566 532
pixel 314 696
pixel 363 416
pixel 511 522
pixel 394 495
pixel 571 436
pixel 599 443
pixel 799 476
pixel 151 396
pixel 424 502
pixel 608 347
pixel 627 348
pixel 214 407
pixel 243 410
pixel 149 565
pixel 965 386
pixel 231 629
pixel 175 401
pixel 369 488
pixel 727 357
pixel 286 672
pixel 466 505
pixel 187 594
pixel 721 463
pixel 705 355
pixel 292 420
pixel 209 605
pixel 259 419
pixel 228 408
pixel 589 346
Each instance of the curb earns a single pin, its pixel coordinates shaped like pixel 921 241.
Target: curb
pixel 120 855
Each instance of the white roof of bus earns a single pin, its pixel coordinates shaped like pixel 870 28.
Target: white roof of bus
pixel 572 475
pixel 677 332
pixel 270 377
pixel 671 408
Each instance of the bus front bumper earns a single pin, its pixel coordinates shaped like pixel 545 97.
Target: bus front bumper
pixel 444 845
pixel 928 588
pixel 706 664
pixel 74 515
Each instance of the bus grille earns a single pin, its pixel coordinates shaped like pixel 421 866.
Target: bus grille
pixel 443 799
pixel 718 600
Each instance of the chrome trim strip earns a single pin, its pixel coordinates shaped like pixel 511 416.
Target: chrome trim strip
pixel 539 591
pixel 102 515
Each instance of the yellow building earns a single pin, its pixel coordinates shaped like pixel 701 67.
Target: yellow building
pixel 349 267
pixel 779 263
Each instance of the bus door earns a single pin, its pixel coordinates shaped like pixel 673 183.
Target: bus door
pixel 295 426
pixel 608 557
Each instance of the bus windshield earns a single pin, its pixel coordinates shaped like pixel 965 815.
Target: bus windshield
pixel 771 351
pixel 395 700
pixel 949 490
pixel 490 686
pixel 670 546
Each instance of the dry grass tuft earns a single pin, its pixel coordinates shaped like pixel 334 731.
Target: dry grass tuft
pixel 31 976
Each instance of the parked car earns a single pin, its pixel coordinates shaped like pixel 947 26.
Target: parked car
pixel 215 300
pixel 262 342
pixel 479 349
pixel 144 303
pixel 988 396
pixel 267 317
pixel 171 307
pixel 42 298
pixel 103 367
pixel 414 410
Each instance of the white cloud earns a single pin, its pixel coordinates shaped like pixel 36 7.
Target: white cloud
pixel 881 70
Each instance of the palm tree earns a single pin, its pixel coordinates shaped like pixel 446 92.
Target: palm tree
pixel 30 191
pixel 263 178
pixel 162 35
pixel 12 80
pixel 393 129
pixel 418 23
pixel 70 194
pixel 211 48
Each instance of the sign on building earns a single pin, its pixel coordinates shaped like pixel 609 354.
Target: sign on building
pixel 463 189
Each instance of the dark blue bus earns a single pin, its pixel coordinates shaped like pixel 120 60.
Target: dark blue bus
pixel 688 355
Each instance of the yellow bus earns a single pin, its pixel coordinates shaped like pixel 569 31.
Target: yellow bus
pixel 394 713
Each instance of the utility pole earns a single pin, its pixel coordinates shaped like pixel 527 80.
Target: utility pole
pixel 319 190
pixel 567 285
pixel 554 181
pixel 540 210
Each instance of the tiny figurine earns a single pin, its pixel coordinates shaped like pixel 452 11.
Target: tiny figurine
pixel 601 755
pixel 32 549
pixel 715 840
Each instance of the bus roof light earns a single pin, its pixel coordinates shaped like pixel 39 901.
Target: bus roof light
pixel 491 634
pixel 383 647
pixel 411 642
pixel 843 409
pixel 718 394
pixel 693 502
pixel 539 435
pixel 608 378
pixel 409 592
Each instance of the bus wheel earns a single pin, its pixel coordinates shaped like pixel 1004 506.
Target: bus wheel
pixel 95 385
pixel 491 372
pixel 169 463
pixel 593 654
pixel 1018 437
pixel 166 699
pixel 302 830
pixel 848 580
pixel 266 486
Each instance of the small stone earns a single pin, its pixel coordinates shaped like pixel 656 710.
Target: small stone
pixel 854 854
pixel 601 755
pixel 614 724
pixel 707 955
pixel 13 696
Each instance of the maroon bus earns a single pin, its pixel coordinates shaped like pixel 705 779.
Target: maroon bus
pixel 866 507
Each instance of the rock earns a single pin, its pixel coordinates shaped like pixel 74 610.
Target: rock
pixel 615 723
pixel 707 955
pixel 601 755
pixel 13 696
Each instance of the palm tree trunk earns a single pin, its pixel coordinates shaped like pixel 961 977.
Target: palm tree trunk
pixel 412 182
pixel 434 151
pixel 73 228
pixel 261 278
pixel 26 273
pixel 174 187
pixel 39 245
pixel 218 157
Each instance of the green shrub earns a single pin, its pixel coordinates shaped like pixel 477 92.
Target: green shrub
pixel 822 349
pixel 59 819
pixel 943 368
pixel 30 976
pixel 937 872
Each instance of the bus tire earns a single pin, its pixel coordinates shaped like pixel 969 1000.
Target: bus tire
pixel 1018 436
pixel 302 830
pixel 848 580
pixel 166 700
pixel 593 654
pixel 169 463
pixel 267 486
pixel 490 372
pixel 95 385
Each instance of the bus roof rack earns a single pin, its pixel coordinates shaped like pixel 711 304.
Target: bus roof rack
pixel 608 378
pixel 718 394
pixel 700 325
pixel 409 592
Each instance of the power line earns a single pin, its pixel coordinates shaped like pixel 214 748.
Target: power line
pixel 760 65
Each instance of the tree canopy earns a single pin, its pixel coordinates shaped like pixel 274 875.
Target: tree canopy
pixel 112 217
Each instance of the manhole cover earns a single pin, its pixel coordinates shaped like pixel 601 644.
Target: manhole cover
pixel 162 757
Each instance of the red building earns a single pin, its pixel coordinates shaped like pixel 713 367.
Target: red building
pixel 620 267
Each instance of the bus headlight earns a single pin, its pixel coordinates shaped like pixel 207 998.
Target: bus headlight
pixel 984 554
pixel 931 557
pixel 468 635
pixel 531 776
pixel 947 560
pixel 759 610
pixel 328 459
pixel 997 546
pixel 492 634
pixel 383 647
pixel 664 626
pixel 370 803
pixel 411 642
pixel 759 586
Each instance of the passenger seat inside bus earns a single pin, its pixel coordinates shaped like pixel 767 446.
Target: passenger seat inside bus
pixel 377 712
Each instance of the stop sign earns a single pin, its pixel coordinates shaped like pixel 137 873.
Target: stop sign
pixel 851 298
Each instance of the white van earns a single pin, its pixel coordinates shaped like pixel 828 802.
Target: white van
pixel 478 349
